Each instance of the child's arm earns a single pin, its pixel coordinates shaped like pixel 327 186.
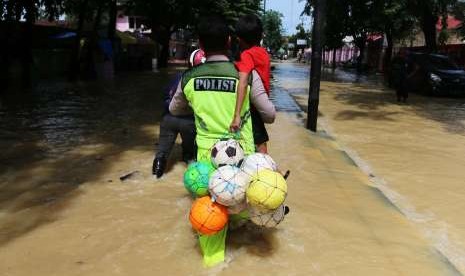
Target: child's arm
pixel 241 92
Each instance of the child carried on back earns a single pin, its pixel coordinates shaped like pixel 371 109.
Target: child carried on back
pixel 249 31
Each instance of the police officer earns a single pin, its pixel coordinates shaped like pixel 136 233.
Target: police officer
pixel 209 90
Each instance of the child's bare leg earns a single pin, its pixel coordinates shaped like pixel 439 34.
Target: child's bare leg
pixel 262 148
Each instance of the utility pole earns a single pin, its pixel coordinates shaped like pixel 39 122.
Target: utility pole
pixel 315 69
pixel 264 6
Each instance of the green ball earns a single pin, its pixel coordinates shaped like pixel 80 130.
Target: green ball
pixel 196 178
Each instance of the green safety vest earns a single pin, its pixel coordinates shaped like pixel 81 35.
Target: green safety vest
pixel 211 91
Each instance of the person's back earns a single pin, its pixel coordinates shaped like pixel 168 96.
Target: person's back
pixel 211 91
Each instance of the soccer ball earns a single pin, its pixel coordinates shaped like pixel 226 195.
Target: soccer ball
pixel 269 218
pixel 196 178
pixel 227 152
pixel 267 190
pixel 227 185
pixel 256 162
pixel 208 217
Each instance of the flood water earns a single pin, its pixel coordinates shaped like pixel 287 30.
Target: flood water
pixel 414 152
pixel 65 211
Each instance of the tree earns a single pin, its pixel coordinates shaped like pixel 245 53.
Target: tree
pixel 231 9
pixel 168 16
pixel 459 12
pixel 428 13
pixel 393 18
pixel 319 9
pixel 359 19
pixel 272 27
pixel 395 22
pixel 31 10
pixel 335 27
pixel 83 11
pixel 360 24
pixel 300 34
pixel 12 13
pixel 353 18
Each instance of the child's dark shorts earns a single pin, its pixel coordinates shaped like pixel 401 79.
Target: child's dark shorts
pixel 260 135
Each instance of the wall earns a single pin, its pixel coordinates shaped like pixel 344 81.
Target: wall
pixel 122 22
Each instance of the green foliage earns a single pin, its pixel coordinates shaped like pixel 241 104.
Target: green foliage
pixel 443 37
pixel 335 29
pixel 458 11
pixel 436 8
pixel 272 26
pixel 300 34
pixel 168 16
pixel 175 14
pixel 427 13
pixel 395 18
pixel 73 8
pixel 361 20
pixel 231 10
pixel 346 18
pixel 30 10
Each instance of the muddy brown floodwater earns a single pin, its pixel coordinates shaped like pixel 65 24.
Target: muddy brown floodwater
pixel 64 210
pixel 415 152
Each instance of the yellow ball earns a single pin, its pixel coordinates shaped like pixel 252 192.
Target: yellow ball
pixel 267 190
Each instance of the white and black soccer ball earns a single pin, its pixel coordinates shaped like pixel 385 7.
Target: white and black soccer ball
pixel 269 218
pixel 228 152
pixel 256 162
pixel 227 185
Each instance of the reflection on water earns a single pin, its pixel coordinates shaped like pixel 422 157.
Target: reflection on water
pixel 58 116
pixel 62 135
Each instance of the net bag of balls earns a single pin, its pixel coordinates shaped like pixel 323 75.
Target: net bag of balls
pixel 267 190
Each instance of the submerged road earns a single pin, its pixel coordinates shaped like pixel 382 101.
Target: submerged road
pixel 64 210
pixel 414 153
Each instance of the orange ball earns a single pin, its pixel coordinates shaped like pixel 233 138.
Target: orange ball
pixel 208 217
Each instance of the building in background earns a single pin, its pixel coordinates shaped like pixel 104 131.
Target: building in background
pixel 131 23
pixel 454 46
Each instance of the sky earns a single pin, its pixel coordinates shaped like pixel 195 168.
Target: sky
pixel 291 10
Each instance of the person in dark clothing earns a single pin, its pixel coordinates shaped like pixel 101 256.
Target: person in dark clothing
pixel 401 87
pixel 171 126
pixel 406 69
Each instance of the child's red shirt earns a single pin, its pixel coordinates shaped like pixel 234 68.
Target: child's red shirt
pixel 256 58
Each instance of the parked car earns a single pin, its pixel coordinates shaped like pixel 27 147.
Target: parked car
pixel 430 74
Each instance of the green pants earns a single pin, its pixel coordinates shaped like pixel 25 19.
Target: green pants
pixel 214 246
